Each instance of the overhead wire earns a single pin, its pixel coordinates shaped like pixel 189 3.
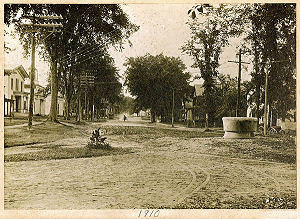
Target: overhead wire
pixel 89 53
pixel 87 59
pixel 82 53
pixel 78 51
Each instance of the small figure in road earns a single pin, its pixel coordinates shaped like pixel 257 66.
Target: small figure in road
pixel 124 118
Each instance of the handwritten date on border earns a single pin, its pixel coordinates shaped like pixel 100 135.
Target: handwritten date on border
pixel 149 213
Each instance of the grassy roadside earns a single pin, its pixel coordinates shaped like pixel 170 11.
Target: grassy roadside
pixel 64 153
pixel 272 149
pixel 159 132
pixel 260 201
pixel 42 133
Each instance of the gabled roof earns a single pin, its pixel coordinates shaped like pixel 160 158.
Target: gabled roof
pixel 19 69
pixel 199 90
pixel 22 71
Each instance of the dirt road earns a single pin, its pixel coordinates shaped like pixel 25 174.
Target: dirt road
pixel 162 172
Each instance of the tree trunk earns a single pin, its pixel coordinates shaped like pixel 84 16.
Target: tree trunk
pixel 67 107
pixel 152 113
pixel 54 91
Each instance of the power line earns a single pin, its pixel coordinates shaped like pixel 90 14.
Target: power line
pixel 75 59
pixel 78 50
pixel 87 59
pixel 83 52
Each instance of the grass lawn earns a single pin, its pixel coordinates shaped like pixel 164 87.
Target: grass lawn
pixel 64 153
pixel 9 121
pixel 42 133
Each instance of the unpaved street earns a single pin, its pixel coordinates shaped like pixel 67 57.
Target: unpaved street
pixel 161 172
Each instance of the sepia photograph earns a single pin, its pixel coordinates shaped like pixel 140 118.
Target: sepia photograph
pixel 149 107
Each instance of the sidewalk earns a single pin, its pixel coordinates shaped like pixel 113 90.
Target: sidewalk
pixel 23 125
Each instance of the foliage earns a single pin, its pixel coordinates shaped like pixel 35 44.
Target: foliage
pixel 227 97
pixel 128 105
pixel 277 37
pixel 106 88
pixel 269 35
pixel 87 31
pixel 205 46
pixel 152 80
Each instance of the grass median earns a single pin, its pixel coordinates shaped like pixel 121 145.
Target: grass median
pixel 64 153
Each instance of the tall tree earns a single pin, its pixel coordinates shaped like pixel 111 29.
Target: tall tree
pixel 92 26
pixel 208 38
pixel 152 79
pixel 272 36
pixel 269 30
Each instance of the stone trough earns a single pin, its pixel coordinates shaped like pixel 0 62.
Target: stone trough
pixel 239 127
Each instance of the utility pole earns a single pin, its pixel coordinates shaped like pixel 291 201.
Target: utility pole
pixel 266 91
pixel 87 80
pixel 237 111
pixel 266 103
pixel 37 22
pixel 32 78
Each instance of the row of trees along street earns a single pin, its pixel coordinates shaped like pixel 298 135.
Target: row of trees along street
pixel 268 33
pixel 152 79
pixel 268 37
pixel 80 46
pixel 160 83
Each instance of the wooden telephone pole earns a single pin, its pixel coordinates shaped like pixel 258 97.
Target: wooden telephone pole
pixel 38 22
pixel 237 111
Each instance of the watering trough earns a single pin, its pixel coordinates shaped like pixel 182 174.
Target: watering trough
pixel 239 127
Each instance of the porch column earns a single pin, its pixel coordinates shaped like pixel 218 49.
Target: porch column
pixel 22 103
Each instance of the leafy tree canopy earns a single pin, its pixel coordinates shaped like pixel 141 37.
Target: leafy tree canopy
pixel 151 79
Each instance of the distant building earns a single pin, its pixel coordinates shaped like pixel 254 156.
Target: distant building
pixel 60 105
pixel 191 111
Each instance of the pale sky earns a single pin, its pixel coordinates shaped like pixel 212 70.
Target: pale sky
pixel 163 29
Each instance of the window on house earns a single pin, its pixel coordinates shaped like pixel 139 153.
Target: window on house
pixel 21 86
pixel 12 83
pixel 17 84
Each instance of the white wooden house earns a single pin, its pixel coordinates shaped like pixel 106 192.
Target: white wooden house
pixel 15 96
